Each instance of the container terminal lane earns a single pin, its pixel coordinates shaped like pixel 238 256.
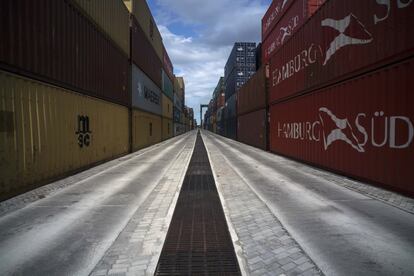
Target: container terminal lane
pixel 280 217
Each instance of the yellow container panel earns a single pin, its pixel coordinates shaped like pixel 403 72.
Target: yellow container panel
pixel 47 132
pixel 146 129
pixel 167 107
pixel 112 17
pixel 142 13
pixel 167 128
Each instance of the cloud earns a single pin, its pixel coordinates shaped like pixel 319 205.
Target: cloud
pixel 208 29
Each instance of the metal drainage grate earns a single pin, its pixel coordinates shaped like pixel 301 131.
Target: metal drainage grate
pixel 198 241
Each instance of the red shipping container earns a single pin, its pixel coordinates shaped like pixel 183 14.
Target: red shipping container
pixel 252 95
pixel 272 16
pixel 52 41
pixel 288 24
pixel 344 39
pixel 251 128
pixel 144 55
pixel 168 67
pixel 362 127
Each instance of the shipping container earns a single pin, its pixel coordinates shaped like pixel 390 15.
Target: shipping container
pixel 243 55
pixel 178 103
pixel 112 17
pixel 142 13
pixel 230 128
pixel 345 38
pixel 167 128
pixel 361 128
pixel 145 94
pixel 144 55
pixel 167 86
pixel 146 129
pixel 52 41
pixel 252 96
pixel 48 132
pixel 167 107
pixel 259 61
pixel 176 115
pixel 179 88
pixel 289 23
pixel 178 129
pixel 231 107
pixel 168 66
pixel 252 128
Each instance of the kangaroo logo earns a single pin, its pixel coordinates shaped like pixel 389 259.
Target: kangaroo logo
pixel 346 26
pixel 140 91
pixel 335 129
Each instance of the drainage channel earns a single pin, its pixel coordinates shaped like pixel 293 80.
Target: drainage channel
pixel 198 240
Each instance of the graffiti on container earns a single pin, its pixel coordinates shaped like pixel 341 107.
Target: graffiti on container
pixel 148 94
pixel 83 133
pixel 277 10
pixel 357 134
pixel 349 31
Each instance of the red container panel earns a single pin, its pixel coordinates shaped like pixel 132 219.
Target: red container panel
pixel 343 39
pixel 289 23
pixel 251 129
pixel 144 55
pixel 272 16
pixel 252 95
pixel 362 127
pixel 53 42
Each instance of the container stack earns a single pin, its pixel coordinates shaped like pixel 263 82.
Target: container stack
pixel 83 81
pixel 334 89
pixel 179 108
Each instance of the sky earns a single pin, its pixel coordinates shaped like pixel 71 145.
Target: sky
pixel 199 35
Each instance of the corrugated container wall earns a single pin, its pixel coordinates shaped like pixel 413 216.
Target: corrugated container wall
pixel 48 132
pixel 167 128
pixel 251 128
pixel 338 43
pixel 145 94
pixel 112 17
pixel 146 129
pixel 167 107
pixel 289 23
pixel 168 66
pixel 179 87
pixel 142 13
pixel 73 53
pixel 144 55
pixel 231 107
pixel 167 86
pixel 252 96
pixel 272 16
pixel 361 128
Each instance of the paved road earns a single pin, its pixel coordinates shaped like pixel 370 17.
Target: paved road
pixel 344 232
pixel 69 232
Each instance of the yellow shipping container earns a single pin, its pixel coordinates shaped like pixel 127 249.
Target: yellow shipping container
pixel 48 132
pixel 146 129
pixel 112 17
pixel 141 12
pixel 167 107
pixel 167 128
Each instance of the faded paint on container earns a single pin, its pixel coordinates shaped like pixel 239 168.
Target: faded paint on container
pixel 167 128
pixel 53 42
pixel 343 39
pixel 290 22
pixel 112 17
pixel 168 66
pixel 167 86
pixel 251 128
pixel 144 55
pixel 167 107
pixel 252 96
pixel 142 13
pixel 362 128
pixel 146 129
pixel 48 132
pixel 145 94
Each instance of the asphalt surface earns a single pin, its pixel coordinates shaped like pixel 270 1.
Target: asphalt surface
pixel 70 231
pixel 342 231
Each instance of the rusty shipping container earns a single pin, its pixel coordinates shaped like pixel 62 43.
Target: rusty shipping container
pixel 142 13
pixel 48 132
pixel 289 23
pixel 112 17
pixel 252 96
pixel 251 128
pixel 144 55
pixel 343 39
pixel 362 127
pixel 146 129
pixel 52 41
